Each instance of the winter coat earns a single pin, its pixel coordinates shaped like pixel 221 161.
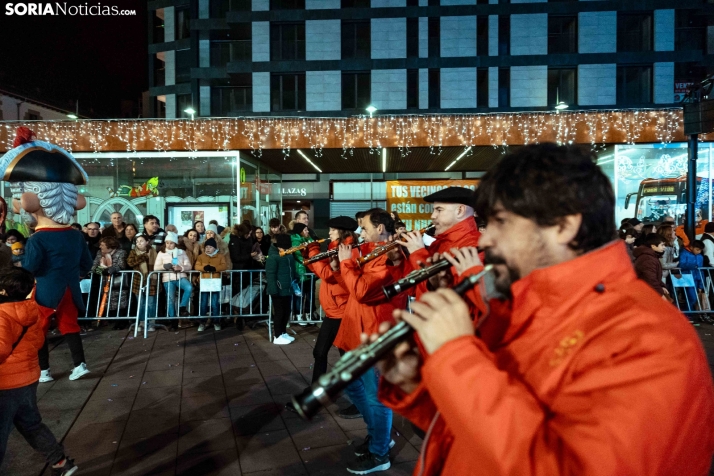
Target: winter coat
pixel 690 263
pixel 21 367
pixel 240 250
pixel 333 294
pixel 298 240
pixel 366 306
pixel 218 261
pixel 465 233
pixel 280 273
pixel 166 257
pixel 585 371
pixel 648 267
pixel 134 261
pixel 119 295
pixel 669 260
pixel 193 249
pixel 222 248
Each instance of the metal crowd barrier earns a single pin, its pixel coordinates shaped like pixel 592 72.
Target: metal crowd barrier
pixel 110 297
pixel 692 291
pixel 240 294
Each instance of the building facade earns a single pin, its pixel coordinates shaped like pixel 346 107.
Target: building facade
pixel 335 57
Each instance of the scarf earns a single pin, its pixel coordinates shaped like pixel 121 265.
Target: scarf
pixel 215 252
pixel 143 266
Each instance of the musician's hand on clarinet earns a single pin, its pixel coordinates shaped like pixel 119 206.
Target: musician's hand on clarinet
pixel 334 263
pixel 394 255
pixel 345 252
pixel 439 317
pixel 463 258
pixel 412 241
pixel 442 279
pixel 402 366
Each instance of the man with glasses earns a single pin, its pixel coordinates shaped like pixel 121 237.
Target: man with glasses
pixel 92 237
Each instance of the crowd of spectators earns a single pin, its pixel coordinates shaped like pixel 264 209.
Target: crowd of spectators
pixel 669 263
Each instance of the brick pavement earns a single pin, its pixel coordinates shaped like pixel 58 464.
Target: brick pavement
pixel 183 403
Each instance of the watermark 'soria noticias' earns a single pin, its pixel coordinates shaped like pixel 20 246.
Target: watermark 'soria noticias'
pixel 63 9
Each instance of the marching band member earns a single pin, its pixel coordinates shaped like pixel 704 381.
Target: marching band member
pixel 366 308
pixel 453 217
pixel 583 371
pixel 333 295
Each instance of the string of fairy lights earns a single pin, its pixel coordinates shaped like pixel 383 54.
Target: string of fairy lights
pixel 402 132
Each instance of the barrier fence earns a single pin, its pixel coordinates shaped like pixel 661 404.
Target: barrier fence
pixel 692 291
pixel 164 296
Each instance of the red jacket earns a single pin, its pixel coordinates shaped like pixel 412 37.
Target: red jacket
pixel 21 367
pixel 464 233
pixel 367 307
pixel 589 373
pixel 333 295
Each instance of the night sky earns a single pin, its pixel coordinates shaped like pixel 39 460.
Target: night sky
pixel 99 60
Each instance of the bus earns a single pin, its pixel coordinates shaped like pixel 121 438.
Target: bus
pixel 657 198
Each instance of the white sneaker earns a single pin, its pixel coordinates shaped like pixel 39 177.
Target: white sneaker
pixel 151 329
pixel 216 327
pixel 79 371
pixel 201 327
pixel 45 376
pixel 288 337
pixel 298 318
pixel 281 341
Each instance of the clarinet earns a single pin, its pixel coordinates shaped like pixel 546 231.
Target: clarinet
pixel 328 254
pixel 356 362
pixel 386 248
pixel 414 278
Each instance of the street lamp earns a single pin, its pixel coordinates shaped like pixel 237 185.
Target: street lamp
pixel 190 110
pixel 371 110
pixel 559 105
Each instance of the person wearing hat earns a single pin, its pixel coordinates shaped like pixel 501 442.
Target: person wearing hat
pixel 43 179
pixel 299 235
pixel 18 249
pixel 212 263
pixel 453 217
pixel 174 262
pixel 280 274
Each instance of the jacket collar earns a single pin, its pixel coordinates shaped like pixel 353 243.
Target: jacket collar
pixel 457 231
pixel 563 286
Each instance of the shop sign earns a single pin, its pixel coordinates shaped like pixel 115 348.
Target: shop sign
pixel 406 197
pixel 294 192
pixel 680 89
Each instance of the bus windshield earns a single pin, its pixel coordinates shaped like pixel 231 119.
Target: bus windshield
pixel 655 207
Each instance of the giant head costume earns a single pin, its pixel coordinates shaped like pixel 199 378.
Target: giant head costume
pixel 43 179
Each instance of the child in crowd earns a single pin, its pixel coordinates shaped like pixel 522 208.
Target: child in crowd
pixel 142 258
pixel 18 249
pixel 212 263
pixel 174 260
pixel 22 333
pixel 690 262
pixel 648 265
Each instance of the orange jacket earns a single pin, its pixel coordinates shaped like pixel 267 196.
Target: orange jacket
pixel 333 295
pixel 464 233
pixel 591 372
pixel 21 367
pixel 679 231
pixel 366 307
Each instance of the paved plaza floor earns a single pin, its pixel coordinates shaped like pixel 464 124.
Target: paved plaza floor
pixel 184 403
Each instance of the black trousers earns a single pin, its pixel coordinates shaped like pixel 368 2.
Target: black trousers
pixel 325 339
pixel 281 313
pixel 74 342
pixel 18 408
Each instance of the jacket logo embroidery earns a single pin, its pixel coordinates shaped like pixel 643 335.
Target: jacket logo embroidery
pixel 565 347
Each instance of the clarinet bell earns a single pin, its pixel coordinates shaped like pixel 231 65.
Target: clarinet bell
pixel 310 401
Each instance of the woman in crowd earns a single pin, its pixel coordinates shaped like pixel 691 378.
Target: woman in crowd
pixel 670 258
pixel 130 232
pixel 176 261
pixel 142 259
pixel 261 247
pixel 280 273
pixel 14 236
pixel 111 259
pixel 212 263
pixel 628 234
pixel 241 247
pixel 201 229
